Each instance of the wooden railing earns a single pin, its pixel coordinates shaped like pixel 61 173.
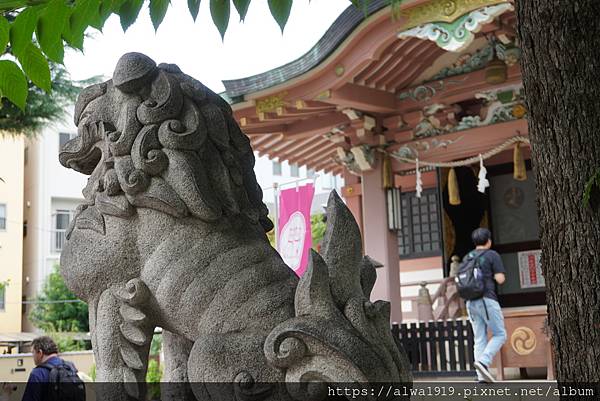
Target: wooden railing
pixel 413 313
pixel 445 304
pixel 437 348
pixel 449 304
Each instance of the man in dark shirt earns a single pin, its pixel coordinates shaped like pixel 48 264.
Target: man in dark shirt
pixel 485 312
pixel 44 351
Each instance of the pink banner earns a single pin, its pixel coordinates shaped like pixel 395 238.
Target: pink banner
pixel 295 239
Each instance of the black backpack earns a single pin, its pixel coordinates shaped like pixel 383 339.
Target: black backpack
pixel 469 279
pixel 64 384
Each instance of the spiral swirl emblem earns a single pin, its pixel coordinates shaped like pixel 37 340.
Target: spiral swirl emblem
pixel 449 7
pixel 523 340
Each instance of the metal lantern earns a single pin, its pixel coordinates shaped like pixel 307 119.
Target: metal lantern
pixel 496 70
pixel 394 208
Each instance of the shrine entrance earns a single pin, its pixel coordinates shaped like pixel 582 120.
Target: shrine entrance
pixel 465 211
pixel 508 209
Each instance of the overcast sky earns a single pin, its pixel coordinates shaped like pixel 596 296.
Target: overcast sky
pixel 249 48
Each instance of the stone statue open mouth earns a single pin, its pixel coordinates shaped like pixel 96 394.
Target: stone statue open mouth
pixel 183 246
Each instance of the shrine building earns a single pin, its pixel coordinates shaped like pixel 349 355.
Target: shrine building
pixel 420 109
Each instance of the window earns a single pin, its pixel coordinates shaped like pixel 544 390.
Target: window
pixel 420 234
pixel 310 173
pixel 62 218
pixel 276 168
pixel 2 297
pixel 328 181
pixel 63 138
pixel 2 217
pixel 294 170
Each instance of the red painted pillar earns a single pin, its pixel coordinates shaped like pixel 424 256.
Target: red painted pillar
pixel 380 243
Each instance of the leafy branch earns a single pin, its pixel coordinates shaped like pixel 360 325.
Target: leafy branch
pixel 60 23
pixel 41 106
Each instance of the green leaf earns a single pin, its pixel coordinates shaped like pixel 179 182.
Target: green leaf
pixel 129 12
pixel 83 15
pixel 280 10
pixel 194 7
pixel 594 181
pixel 36 67
pixel 51 24
pixel 219 10
pixel 242 7
pixel 158 9
pixel 105 9
pixel 4 33
pixel 21 29
pixel 363 4
pixel 13 84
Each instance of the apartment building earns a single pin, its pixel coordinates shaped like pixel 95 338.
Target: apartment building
pixel 12 156
pixel 51 194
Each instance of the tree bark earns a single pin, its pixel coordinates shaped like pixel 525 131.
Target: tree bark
pixel 560 42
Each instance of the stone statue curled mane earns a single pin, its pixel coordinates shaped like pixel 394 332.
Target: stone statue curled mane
pixel 156 123
pixel 171 234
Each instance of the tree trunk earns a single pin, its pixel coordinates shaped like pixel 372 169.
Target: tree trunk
pixel 560 42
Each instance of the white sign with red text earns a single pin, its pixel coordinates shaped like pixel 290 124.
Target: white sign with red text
pixel 530 269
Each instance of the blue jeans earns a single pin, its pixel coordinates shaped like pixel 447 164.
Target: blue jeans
pixel 484 349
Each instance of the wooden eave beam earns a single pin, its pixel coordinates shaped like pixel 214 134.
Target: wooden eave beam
pixel 265 147
pixel 322 165
pixel 318 155
pixel 403 56
pixel 473 142
pixel 473 82
pixel 287 111
pixel 315 126
pixel 257 141
pixel 321 154
pixel 332 168
pixel 283 145
pixel 245 112
pixel 412 72
pixel 299 144
pixel 363 98
pixel 339 170
pixel 310 105
pixel 388 53
pixel 267 129
pixel 309 150
pixel 267 116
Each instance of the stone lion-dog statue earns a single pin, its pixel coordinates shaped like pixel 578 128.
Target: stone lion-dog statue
pixel 172 234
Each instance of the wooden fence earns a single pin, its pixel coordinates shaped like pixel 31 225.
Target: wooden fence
pixel 442 348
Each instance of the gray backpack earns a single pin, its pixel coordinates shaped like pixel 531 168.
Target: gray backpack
pixel 469 279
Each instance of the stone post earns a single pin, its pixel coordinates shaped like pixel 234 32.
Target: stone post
pixel 424 304
pixel 454 265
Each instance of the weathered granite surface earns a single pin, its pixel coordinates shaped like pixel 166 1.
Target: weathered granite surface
pixel 172 234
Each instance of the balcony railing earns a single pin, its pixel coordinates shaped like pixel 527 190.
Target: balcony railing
pixel 58 238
